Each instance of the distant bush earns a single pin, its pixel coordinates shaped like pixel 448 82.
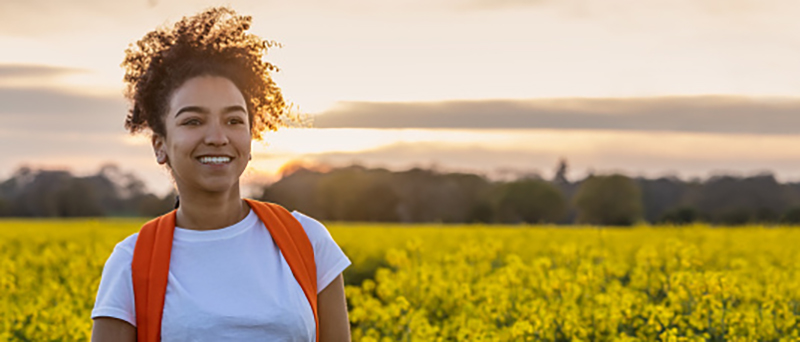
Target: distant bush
pixel 791 216
pixel 681 216
pixel 614 200
pixel 530 201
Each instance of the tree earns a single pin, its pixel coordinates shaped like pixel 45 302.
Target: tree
pixel 609 200
pixel 358 194
pixel 150 205
pixel 430 196
pixel 77 198
pixel 298 190
pixel 791 216
pixel 530 201
pixel 58 193
pixel 681 216
pixel 733 200
pixel 561 173
pixel 5 208
pixel 661 197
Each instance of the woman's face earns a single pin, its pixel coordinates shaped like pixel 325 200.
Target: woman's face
pixel 207 143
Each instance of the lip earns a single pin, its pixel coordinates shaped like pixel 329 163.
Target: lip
pixel 215 166
pixel 214 155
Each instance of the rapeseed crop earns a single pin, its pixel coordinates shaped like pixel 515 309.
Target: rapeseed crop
pixel 470 283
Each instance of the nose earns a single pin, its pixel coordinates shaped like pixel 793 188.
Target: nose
pixel 215 135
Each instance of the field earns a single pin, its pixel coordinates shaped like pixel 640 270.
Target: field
pixel 470 283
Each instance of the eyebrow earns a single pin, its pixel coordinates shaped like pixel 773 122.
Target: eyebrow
pixel 203 110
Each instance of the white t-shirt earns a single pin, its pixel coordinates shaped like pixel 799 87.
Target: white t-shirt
pixel 228 284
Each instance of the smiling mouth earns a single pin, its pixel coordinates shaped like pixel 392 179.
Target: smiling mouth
pixel 215 159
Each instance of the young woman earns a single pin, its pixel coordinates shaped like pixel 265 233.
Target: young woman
pixel 203 91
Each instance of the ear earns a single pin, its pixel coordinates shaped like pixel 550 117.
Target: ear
pixel 159 148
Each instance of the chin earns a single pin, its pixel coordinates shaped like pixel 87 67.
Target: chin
pixel 222 186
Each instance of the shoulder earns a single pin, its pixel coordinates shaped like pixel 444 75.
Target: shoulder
pixel 314 229
pixel 305 219
pixel 127 245
pixel 328 255
pixel 122 255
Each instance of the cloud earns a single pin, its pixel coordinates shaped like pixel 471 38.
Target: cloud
pixel 634 161
pixel 49 101
pixel 40 112
pixel 59 110
pixel 710 114
pixel 37 71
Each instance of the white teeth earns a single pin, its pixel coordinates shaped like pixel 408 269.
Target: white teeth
pixel 214 160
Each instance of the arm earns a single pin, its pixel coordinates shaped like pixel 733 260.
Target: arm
pixel 112 329
pixel 334 324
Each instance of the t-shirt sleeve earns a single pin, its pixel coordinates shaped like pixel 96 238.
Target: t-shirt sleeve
pixel 115 293
pixel 329 257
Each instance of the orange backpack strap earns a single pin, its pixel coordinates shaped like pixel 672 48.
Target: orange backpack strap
pixel 293 242
pixel 150 266
pixel 150 269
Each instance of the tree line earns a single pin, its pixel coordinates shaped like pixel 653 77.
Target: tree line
pixel 57 193
pixel 357 193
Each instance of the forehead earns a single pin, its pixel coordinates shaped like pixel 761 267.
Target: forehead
pixel 212 92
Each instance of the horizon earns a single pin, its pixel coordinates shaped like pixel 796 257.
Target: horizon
pixel 253 184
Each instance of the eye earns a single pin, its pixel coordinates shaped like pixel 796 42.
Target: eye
pixel 235 121
pixel 191 122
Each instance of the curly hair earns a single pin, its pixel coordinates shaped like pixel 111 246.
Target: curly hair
pixel 214 42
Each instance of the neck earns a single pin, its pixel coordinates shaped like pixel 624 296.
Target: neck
pixel 209 211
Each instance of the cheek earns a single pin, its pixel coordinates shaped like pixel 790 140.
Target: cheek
pixel 242 141
pixel 244 146
pixel 181 143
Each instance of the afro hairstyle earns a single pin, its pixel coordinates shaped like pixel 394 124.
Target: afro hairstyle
pixel 214 42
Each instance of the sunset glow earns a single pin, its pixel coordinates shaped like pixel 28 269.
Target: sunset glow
pixel 61 83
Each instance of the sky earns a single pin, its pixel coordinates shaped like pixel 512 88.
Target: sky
pixel 687 88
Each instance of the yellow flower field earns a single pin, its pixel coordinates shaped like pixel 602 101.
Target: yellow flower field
pixel 470 283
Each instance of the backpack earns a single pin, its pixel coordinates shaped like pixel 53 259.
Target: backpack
pixel 150 265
